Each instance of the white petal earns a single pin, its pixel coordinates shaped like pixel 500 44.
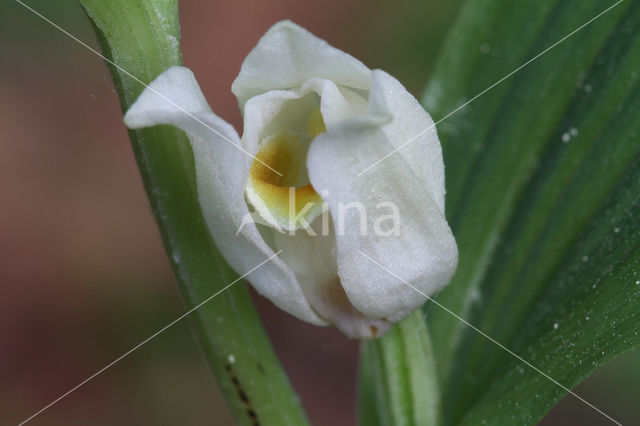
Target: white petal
pixel 287 110
pixel 287 56
pixel 221 171
pixel 423 154
pixel 423 252
pixel 313 260
pixel 281 117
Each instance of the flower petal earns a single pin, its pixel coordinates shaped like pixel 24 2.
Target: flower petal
pixel 423 154
pixel 280 199
pixel 279 126
pixel 222 170
pixel 421 250
pixel 289 110
pixel 312 257
pixel 287 56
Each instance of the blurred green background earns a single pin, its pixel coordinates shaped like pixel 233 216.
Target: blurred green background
pixel 84 276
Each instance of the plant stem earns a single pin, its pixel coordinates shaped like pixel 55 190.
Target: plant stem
pixel 142 37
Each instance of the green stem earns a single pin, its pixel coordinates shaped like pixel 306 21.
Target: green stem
pixel 398 381
pixel 142 37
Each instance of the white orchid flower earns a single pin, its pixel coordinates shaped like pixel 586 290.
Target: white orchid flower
pixel 314 118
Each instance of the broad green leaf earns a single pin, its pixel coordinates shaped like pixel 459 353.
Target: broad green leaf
pixel 142 37
pixel 543 191
pixel 543 195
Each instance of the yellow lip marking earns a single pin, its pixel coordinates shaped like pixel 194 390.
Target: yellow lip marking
pixel 315 123
pixel 280 200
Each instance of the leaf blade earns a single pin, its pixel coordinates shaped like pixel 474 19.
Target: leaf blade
pixel 549 178
pixel 142 38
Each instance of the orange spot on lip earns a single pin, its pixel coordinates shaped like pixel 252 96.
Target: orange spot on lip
pixel 272 193
pixel 284 153
pixel 277 197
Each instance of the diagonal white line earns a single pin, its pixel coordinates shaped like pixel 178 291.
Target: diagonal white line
pixel 468 324
pixel 147 86
pixel 147 340
pixel 491 87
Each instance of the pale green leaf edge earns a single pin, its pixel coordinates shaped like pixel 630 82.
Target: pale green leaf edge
pixel 142 37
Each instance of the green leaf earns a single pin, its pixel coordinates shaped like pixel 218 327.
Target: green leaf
pixel 142 38
pixel 543 195
pixel 543 178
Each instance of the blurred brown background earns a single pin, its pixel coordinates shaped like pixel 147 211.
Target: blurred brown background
pixel 83 275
